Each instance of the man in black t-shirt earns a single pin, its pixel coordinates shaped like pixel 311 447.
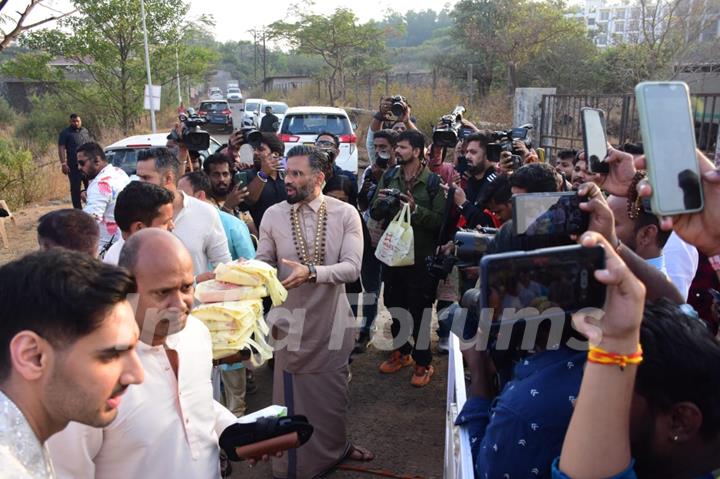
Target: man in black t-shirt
pixel 269 122
pixel 70 139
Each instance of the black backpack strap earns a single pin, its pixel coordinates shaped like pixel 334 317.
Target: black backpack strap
pixel 390 174
pixel 433 186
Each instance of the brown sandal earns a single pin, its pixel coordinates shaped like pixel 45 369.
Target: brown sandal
pixel 357 453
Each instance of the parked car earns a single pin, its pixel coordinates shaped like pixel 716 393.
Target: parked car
pixel 251 112
pixel 233 95
pixel 123 153
pixel 278 108
pixel 302 124
pixel 217 113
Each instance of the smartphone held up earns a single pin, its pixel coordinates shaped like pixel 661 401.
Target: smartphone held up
pixel 668 133
pixel 595 140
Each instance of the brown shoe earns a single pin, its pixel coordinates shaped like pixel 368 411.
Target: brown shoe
pixel 422 376
pixel 395 363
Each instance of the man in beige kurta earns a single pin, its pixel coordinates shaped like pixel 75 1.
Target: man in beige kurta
pixel 313 329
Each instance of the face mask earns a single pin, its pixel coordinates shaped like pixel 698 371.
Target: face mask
pixel 382 159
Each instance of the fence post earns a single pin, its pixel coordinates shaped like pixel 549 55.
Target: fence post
pixel 369 91
pixel 470 84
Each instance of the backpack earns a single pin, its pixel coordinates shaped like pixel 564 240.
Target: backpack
pixel 432 186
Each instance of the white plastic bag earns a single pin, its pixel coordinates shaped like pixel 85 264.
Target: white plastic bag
pixel 397 245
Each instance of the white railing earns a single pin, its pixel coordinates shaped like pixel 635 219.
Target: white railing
pixel 458 456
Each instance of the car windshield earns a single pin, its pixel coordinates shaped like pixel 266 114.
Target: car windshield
pixel 278 107
pixel 213 106
pixel 312 124
pixel 251 106
pixel 233 90
pixel 125 159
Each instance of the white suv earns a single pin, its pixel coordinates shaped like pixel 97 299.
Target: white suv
pixel 303 124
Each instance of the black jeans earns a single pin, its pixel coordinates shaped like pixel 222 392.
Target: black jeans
pixel 407 288
pixel 75 178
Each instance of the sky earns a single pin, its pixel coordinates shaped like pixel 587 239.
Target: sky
pixel 234 18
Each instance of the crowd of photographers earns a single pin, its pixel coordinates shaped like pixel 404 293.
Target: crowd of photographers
pixel 537 407
pixel 540 408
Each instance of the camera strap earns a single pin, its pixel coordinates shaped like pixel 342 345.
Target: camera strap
pixel 446 218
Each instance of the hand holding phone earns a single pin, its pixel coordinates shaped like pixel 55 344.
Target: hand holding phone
pixel 595 140
pixel 668 133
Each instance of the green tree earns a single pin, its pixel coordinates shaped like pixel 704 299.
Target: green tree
pixel 338 38
pixel 107 42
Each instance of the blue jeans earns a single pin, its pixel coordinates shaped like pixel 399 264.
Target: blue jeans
pixel 371 275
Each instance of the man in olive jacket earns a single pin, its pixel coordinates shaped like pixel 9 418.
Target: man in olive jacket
pixel 410 288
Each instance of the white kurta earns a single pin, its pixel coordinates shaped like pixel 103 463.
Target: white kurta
pixel 166 426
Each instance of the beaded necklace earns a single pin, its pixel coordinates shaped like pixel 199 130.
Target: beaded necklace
pixel 301 247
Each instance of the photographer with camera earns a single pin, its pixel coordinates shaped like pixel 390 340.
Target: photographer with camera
pixel 384 157
pixel 411 288
pixel 479 173
pixel 394 110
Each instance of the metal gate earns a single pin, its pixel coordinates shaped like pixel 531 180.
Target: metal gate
pixel 561 127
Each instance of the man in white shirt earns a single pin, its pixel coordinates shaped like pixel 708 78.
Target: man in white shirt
pixel 106 182
pixel 170 426
pixel 197 224
pixel 140 205
pixel 65 354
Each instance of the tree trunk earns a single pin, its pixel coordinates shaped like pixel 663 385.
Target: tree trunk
pixel 512 78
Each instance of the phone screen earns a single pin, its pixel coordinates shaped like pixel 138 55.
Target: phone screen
pixel 240 179
pixel 669 143
pixel 542 279
pixel 548 214
pixel 595 141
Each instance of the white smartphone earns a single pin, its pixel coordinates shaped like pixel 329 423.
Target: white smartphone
pixel 668 133
pixel 595 140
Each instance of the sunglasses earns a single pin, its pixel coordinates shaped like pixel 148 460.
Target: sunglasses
pixel 81 162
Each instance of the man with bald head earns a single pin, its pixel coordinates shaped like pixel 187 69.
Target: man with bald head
pixel 169 426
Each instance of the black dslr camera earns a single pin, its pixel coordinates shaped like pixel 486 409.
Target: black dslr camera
pixel 470 247
pixel 386 208
pixel 194 138
pixel 503 141
pixel 398 106
pixel 447 133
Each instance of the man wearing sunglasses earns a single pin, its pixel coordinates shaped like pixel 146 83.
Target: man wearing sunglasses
pixel 330 144
pixel 106 182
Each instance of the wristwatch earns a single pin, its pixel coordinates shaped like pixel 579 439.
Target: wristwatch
pixel 313 273
pixel 715 262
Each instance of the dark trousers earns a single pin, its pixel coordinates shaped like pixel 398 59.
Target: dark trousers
pixel 75 178
pixel 371 275
pixel 407 288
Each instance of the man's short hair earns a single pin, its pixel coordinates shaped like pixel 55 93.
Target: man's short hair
pixel 73 116
pixel 388 134
pixel 164 160
pixel 217 159
pixel 498 191
pixel 318 158
pixel 481 138
pixel 334 137
pixel 633 148
pixel 199 182
pixel 679 356
pixel 140 201
pixel 567 154
pixel 92 150
pixel 61 295
pixel 415 138
pixel 535 178
pixel 69 228
pixel 273 142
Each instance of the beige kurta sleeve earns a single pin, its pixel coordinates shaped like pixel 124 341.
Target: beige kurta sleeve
pixel 267 249
pixel 347 269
